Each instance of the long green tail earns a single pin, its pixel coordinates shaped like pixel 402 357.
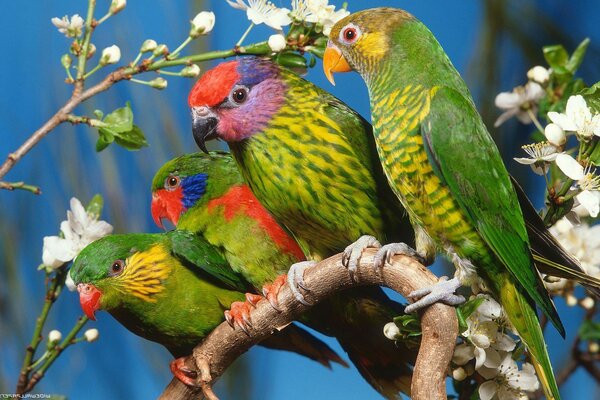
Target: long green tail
pixel 522 314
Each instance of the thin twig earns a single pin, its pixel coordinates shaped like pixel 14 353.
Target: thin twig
pixel 20 185
pixel 438 323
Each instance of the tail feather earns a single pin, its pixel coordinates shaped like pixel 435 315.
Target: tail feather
pixel 522 315
pixel 550 257
pixel 356 319
pixel 298 340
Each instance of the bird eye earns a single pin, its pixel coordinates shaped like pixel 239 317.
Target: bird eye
pixel 239 95
pixel 172 182
pixel 349 34
pixel 116 268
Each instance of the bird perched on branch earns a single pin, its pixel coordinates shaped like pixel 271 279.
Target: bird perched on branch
pixel 205 194
pixel 445 169
pixel 171 288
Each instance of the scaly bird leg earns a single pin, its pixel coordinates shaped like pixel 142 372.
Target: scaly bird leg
pixel 353 252
pixel 295 279
pixel 183 373
pixel 443 291
pixel 271 291
pixel 239 313
pixel 385 254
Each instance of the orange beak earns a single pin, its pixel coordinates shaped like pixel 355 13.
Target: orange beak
pixel 334 61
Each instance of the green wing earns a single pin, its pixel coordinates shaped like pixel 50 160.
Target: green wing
pixel 199 253
pixel 465 157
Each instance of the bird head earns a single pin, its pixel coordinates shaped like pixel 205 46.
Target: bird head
pixel 236 100
pixel 118 271
pixel 361 40
pixel 183 182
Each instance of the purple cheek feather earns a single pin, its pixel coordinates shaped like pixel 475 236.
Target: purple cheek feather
pixel 264 101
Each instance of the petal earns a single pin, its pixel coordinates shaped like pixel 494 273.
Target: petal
pixel 523 117
pixel 58 248
pixel 492 358
pixel 569 166
pixel 239 4
pixel 578 111
pixel 479 357
pixel 508 100
pixel 590 201
pixel 525 161
pixel 563 121
pixel 463 353
pixel 505 117
pixel 504 342
pixel 487 390
pixel 481 340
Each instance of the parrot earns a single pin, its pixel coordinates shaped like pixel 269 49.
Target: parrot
pixel 444 167
pixel 171 288
pixel 206 194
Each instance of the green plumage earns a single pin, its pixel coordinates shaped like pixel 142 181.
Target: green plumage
pixel 456 187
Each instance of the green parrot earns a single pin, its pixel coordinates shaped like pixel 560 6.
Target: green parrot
pixel 205 194
pixel 446 170
pixel 171 288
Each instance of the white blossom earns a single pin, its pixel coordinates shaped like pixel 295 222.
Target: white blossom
pixel 539 74
pixel 318 12
pixel 581 241
pixel 79 230
pixel 263 12
pixel 110 55
pixel 540 155
pixel 518 102
pixel 577 118
pixel 507 382
pixel 202 24
pixel 54 336
pixel 391 331
pixel 588 183
pixel 71 28
pixel 117 6
pixel 555 135
pixel 277 42
pixel 91 335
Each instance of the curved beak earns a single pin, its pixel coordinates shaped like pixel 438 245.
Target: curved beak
pixel 158 210
pixel 89 298
pixel 204 126
pixel 334 61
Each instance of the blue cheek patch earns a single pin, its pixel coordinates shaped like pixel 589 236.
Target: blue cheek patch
pixel 255 70
pixel 194 188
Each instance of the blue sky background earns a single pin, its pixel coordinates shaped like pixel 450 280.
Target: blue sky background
pixel 120 365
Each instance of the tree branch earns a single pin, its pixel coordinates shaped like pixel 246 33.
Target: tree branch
pixel 439 325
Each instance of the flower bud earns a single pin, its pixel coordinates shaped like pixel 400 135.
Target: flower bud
pixel 91 50
pixel 202 24
pixel 117 6
pixel 159 83
pixel 110 55
pixel 54 336
pixel 160 50
pixel 538 74
pixel 66 60
pixel 148 45
pixel 191 71
pixel 459 374
pixel 593 347
pixel 587 303
pixel 571 300
pixel 277 42
pixel 91 335
pixel 391 331
pixel 555 135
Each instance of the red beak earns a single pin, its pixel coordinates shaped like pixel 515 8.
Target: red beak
pixel 158 210
pixel 89 298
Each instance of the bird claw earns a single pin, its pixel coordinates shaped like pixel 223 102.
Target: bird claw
pixel 239 314
pixel 295 280
pixel 353 252
pixel 253 299
pixel 443 292
pixel 271 291
pixel 385 254
pixel 183 373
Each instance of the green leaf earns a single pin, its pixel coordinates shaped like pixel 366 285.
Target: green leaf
pixel 106 137
pixel 592 97
pixel 291 60
pixel 132 140
pixel 465 310
pixel 94 207
pixel 98 114
pixel 595 155
pixel 557 57
pixel 120 120
pixel 578 55
pixel 589 330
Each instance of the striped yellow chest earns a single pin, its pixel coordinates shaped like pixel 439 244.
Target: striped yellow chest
pixel 397 117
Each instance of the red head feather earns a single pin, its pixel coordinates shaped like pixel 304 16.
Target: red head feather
pixel 214 85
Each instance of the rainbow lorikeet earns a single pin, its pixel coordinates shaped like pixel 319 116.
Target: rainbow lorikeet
pixel 445 168
pixel 205 193
pixel 171 288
